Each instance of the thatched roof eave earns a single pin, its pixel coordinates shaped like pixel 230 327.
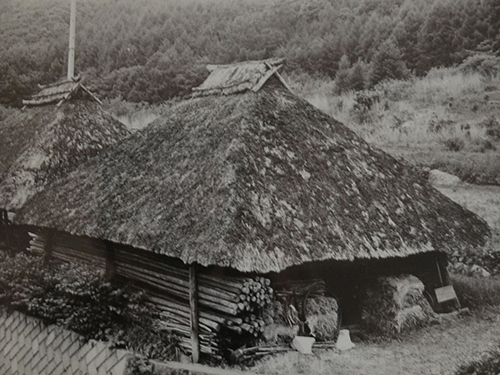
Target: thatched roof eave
pixel 41 144
pixel 258 182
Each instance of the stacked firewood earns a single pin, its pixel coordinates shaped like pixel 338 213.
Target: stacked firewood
pixel 70 249
pixel 229 303
pixel 36 244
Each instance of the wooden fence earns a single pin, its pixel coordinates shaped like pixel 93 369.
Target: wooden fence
pixel 28 347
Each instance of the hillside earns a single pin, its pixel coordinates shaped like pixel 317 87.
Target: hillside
pixel 152 50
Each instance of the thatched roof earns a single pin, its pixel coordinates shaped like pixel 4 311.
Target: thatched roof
pixel 257 182
pixel 60 92
pixel 240 77
pixel 42 143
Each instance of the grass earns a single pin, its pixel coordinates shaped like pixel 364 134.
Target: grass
pixel 487 363
pixel 446 120
pixel 474 292
pixel 437 349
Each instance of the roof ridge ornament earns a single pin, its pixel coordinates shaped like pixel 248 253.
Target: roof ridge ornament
pixel 240 77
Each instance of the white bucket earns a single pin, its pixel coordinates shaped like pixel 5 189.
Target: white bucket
pixel 303 344
pixel 344 341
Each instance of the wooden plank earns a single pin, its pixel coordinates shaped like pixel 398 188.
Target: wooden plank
pixel 264 79
pixel 445 293
pixel 193 304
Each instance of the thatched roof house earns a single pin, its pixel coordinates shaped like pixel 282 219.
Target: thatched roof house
pixel 59 128
pixel 60 92
pixel 258 180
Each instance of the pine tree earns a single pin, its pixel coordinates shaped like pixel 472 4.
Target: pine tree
pixel 342 76
pixel 357 76
pixel 388 63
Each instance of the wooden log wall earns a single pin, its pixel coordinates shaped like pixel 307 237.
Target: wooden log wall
pixel 231 304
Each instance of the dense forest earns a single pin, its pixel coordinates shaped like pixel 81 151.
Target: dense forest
pixel 152 50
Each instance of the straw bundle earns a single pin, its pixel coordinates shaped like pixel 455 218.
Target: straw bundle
pixel 322 317
pixel 396 304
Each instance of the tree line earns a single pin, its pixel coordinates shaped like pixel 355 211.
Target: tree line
pixel 152 50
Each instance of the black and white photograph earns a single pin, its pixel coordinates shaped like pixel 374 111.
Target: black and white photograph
pixel 249 187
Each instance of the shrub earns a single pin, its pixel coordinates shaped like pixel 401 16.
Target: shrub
pixel 492 127
pixel 363 103
pixel 21 276
pixel 342 76
pixel 437 125
pixel 488 363
pixel 484 63
pixel 357 75
pixel 388 64
pixel 454 144
pixel 77 297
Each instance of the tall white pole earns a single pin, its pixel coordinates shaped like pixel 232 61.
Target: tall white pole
pixel 71 57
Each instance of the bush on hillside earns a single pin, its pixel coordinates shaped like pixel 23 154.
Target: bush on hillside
pixel 342 83
pixel 492 127
pixel 484 63
pixel 358 75
pixel 454 144
pixel 388 64
pixel 363 103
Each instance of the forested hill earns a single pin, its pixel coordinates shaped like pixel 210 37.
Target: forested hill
pixel 151 50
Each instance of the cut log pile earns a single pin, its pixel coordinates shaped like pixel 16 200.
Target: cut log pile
pixel 232 310
pixel 230 303
pixel 36 244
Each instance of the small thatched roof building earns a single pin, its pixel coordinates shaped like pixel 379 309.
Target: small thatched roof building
pixel 257 180
pixel 59 128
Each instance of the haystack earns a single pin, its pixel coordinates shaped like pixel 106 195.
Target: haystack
pixel 61 127
pixel 396 304
pixel 322 317
pixel 254 178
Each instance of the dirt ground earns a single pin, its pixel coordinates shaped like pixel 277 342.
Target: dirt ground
pixel 433 350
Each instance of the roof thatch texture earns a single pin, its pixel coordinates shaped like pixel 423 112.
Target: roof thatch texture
pixel 257 182
pixel 60 92
pixel 40 144
pixel 239 77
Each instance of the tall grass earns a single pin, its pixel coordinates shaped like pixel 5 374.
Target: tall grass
pixel 438 119
pixel 474 291
pixel 441 84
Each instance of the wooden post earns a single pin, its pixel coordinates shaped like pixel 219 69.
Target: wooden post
pixel 4 222
pixel 71 56
pixel 110 260
pixel 49 239
pixel 439 272
pixel 193 304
